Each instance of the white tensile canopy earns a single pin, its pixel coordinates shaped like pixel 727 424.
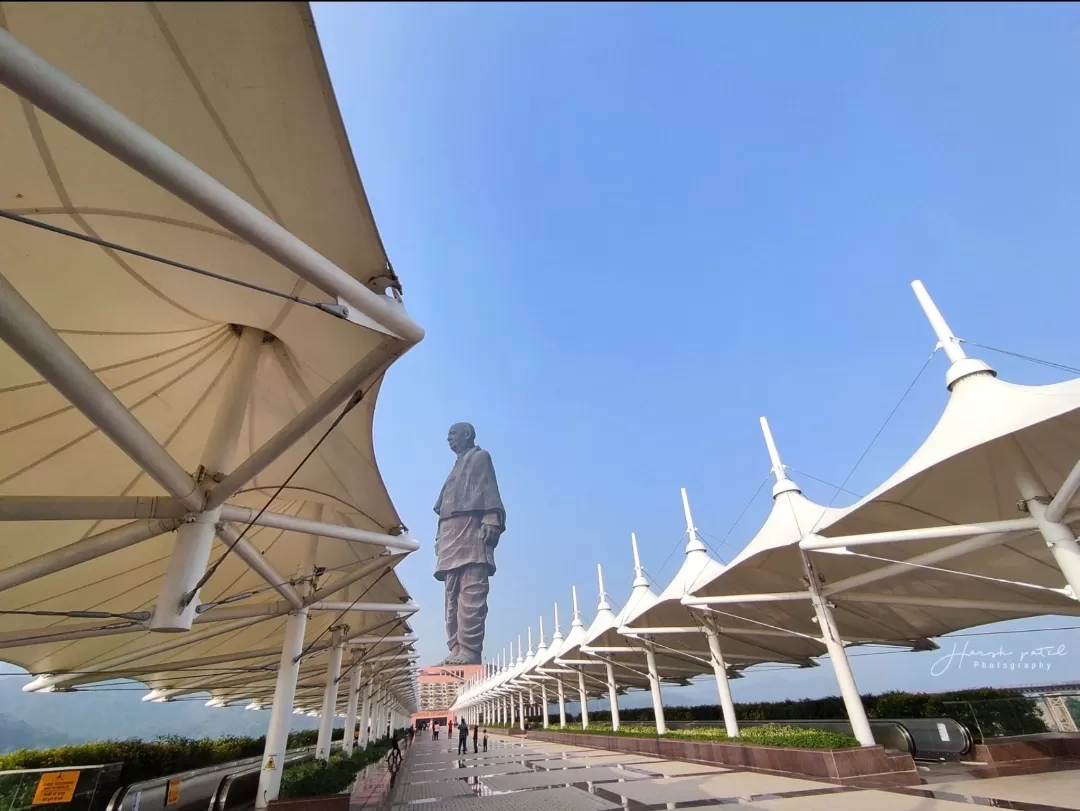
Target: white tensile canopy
pixel 182 453
pixel 986 540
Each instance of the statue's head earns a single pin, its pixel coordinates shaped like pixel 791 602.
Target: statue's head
pixel 462 436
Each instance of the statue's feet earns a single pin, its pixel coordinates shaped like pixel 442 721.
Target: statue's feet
pixel 469 657
pixel 452 659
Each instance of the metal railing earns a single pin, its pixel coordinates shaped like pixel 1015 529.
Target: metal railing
pixel 67 788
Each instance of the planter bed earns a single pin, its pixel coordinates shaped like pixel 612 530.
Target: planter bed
pixel 862 765
pixel 1027 755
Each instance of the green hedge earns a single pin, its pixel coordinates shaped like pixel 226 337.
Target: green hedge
pixel 145 760
pixel 995 711
pixel 317 778
pixel 771 735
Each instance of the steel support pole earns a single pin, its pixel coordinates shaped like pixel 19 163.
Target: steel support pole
pixel 57 94
pixel 613 692
pixel 830 635
pixel 1058 537
pixel 365 716
pixel 95 546
pixel 562 704
pixel 277 734
pixel 34 341
pixel 584 697
pixel 330 693
pixel 248 515
pixel 250 554
pixel 723 686
pixel 521 710
pixel 175 609
pixel 654 687
pixel 1060 503
pixel 544 699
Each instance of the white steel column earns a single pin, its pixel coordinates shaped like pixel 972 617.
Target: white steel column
pixel 584 700
pixel 377 717
pixel 544 699
pixel 613 692
pixel 562 704
pixel 350 709
pixel 860 725
pixel 365 716
pixel 329 702
pixel 723 686
pixel 175 609
pixel 521 710
pixel 1059 538
pixel 277 734
pixel 654 687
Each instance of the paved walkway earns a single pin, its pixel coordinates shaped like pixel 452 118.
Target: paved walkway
pixel 523 775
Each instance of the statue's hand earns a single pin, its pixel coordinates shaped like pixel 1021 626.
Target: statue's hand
pixel 488 533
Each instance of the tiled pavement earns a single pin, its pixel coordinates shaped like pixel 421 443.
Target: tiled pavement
pixel 522 775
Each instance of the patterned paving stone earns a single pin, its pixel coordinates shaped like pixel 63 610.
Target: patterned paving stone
pixel 514 782
pixel 489 770
pixel 673 768
pixel 723 786
pixel 576 762
pixel 556 799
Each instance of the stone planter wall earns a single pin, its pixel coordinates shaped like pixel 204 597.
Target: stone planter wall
pixel 858 764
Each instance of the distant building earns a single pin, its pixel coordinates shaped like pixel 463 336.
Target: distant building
pixel 439 687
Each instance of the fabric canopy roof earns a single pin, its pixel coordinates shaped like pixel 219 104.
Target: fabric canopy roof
pixel 240 90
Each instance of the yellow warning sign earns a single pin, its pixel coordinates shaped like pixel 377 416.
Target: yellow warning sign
pixel 55 787
pixel 172 796
pixel 269 767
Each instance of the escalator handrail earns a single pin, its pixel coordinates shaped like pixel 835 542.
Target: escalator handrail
pixel 117 800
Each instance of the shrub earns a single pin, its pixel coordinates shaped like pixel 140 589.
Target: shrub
pixel 316 778
pixel 984 711
pixel 771 735
pixel 145 760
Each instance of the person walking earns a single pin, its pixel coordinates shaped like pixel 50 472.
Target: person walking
pixel 434 730
pixel 485 740
pixel 463 738
pixel 475 732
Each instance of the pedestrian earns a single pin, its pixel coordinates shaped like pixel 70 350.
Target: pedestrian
pixel 434 730
pixel 450 728
pixel 485 740
pixel 475 731
pixel 463 738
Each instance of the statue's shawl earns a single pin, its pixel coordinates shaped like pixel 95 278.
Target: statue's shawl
pixel 471 487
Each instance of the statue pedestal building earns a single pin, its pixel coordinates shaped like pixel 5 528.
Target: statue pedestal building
pixel 439 687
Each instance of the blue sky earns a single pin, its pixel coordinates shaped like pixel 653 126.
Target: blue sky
pixel 630 230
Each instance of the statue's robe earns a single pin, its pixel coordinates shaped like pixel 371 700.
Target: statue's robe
pixel 469 498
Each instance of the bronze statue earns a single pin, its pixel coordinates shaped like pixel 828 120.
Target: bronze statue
pixel 471 519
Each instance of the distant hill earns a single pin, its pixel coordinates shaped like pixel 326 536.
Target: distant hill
pixel 51 719
pixel 17 734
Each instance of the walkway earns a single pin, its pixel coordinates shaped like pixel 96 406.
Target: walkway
pixel 522 775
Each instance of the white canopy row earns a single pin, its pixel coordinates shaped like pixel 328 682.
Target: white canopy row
pixel 966 532
pixel 196 314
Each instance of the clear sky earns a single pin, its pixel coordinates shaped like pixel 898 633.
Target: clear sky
pixel 631 230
